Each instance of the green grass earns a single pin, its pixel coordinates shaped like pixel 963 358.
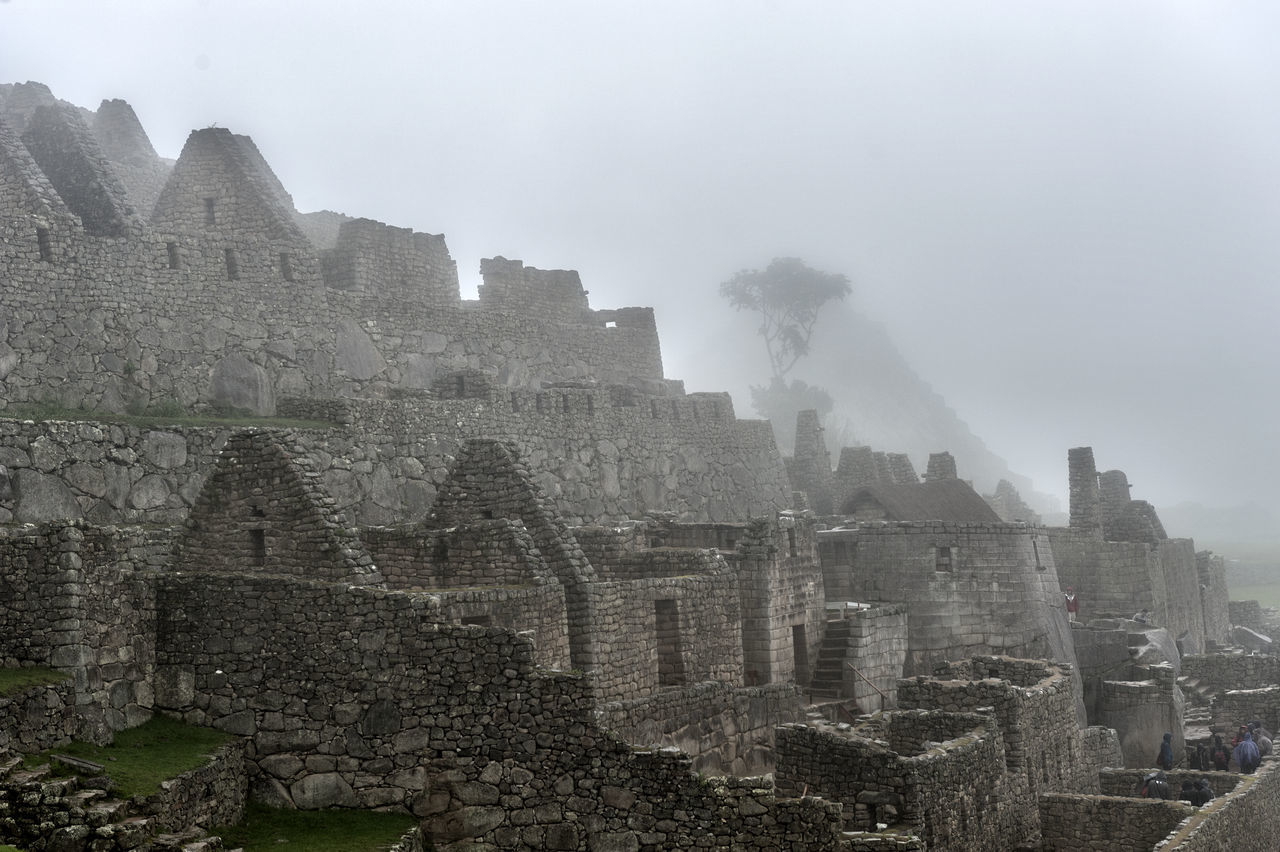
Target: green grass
pixel 10 849
pixel 142 757
pixel 18 681
pixel 1267 594
pixel 266 828
pixel 163 415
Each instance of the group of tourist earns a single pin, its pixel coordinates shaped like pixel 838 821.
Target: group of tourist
pixel 1251 743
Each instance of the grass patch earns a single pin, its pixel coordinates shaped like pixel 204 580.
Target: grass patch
pixel 17 681
pixel 142 757
pixel 10 849
pixel 1267 594
pixel 162 415
pixel 266 828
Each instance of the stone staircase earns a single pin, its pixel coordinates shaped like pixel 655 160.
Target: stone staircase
pixel 40 811
pixel 828 672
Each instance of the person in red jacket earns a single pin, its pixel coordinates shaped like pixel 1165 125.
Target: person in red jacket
pixel 1073 604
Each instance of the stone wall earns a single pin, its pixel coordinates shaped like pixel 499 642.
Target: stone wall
pixel 1247 614
pixel 1247 820
pixel 1141 712
pixel 70 599
pixel 1127 782
pixel 688 456
pixel 220 298
pixel 877 650
pixel 1100 751
pixel 998 594
pixel 212 794
pixel 1118 579
pixel 1214 596
pixel 725 729
pixel 1034 703
pixel 665 632
pixel 939 776
pixel 1220 672
pixel 38 718
pixel 263 510
pixel 1237 707
pixel 782 597
pixel 353 696
pixel 1106 823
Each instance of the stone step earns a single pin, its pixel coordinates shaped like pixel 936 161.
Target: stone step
pixel 8 763
pixel 106 812
pixel 30 776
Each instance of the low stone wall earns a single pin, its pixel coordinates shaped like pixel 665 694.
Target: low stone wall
pixel 1237 707
pixel 213 794
pixel 941 776
pixel 1034 703
pixel 1076 823
pixel 1220 672
pixel 1247 820
pixel 1247 614
pixel 728 729
pixel 1100 748
pixel 39 718
pixel 1126 782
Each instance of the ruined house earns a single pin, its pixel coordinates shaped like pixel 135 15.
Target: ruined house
pixel 501 572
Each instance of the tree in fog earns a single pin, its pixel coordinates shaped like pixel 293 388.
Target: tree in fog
pixel 789 296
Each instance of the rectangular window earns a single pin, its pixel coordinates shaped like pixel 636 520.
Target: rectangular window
pixel 942 559
pixel 286 266
pixel 175 260
pixel 791 543
pixel 800 650
pixel 233 266
pixel 46 246
pixel 670 661
pixel 209 217
pixel 481 620
pixel 258 547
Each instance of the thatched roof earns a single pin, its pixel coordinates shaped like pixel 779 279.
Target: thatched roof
pixel 951 500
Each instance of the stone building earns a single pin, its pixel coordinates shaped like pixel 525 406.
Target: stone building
pixel 505 574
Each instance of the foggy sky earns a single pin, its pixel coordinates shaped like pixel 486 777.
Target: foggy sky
pixel 1064 212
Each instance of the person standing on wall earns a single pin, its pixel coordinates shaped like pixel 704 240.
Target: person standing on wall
pixel 1073 604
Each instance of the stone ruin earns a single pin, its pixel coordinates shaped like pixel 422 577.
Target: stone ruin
pixel 501 573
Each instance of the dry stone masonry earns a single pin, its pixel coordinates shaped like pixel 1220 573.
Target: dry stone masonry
pixel 503 574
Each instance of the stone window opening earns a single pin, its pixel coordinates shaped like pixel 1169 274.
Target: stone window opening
pixel 791 543
pixel 461 388
pixel 175 259
pixel 233 265
pixel 564 402
pixel 541 405
pixel 286 266
pixel 591 406
pixel 675 409
pixel 258 546
pixel 515 402
pixel 209 217
pixel 667 624
pixel 45 245
pixel 800 651
pixel 478 620
pixel 611 324
pixel 943 559
pixel 1035 549
pixel 653 408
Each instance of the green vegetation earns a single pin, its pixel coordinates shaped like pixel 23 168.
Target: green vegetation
pixel 1267 594
pixel 10 849
pixel 142 757
pixel 18 681
pixel 316 831
pixel 163 413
